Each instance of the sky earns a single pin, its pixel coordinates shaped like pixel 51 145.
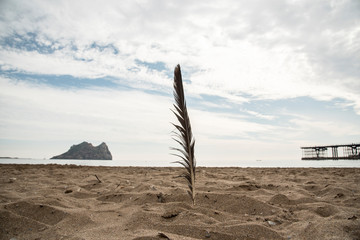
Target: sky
pixel 262 78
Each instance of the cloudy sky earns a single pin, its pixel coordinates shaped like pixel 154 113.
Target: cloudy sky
pixel 262 78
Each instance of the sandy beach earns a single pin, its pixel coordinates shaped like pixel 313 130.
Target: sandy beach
pixel 69 202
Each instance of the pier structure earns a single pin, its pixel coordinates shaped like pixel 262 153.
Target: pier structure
pixel 331 152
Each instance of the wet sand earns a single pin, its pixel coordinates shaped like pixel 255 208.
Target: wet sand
pixel 69 202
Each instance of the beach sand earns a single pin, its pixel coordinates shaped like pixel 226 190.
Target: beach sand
pixel 143 203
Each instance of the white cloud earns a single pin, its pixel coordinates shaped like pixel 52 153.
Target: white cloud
pixel 260 115
pixel 219 125
pixel 270 50
pixel 331 128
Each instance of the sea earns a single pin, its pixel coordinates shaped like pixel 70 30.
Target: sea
pixel 241 163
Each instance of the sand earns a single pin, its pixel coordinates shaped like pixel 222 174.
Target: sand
pixel 68 202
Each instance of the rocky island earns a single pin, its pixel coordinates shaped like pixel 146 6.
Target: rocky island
pixel 87 151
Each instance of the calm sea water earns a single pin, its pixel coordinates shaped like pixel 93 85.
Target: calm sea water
pixel 240 163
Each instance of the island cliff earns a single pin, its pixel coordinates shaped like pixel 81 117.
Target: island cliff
pixel 86 150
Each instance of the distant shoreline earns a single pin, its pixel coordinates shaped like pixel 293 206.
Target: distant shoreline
pixel 147 163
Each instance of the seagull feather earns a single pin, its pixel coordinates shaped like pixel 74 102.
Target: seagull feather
pixel 184 135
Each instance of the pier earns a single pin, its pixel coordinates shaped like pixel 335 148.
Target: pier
pixel 332 152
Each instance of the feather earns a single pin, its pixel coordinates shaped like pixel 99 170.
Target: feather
pixel 184 136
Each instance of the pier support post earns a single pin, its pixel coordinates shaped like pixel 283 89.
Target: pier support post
pixel 335 154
